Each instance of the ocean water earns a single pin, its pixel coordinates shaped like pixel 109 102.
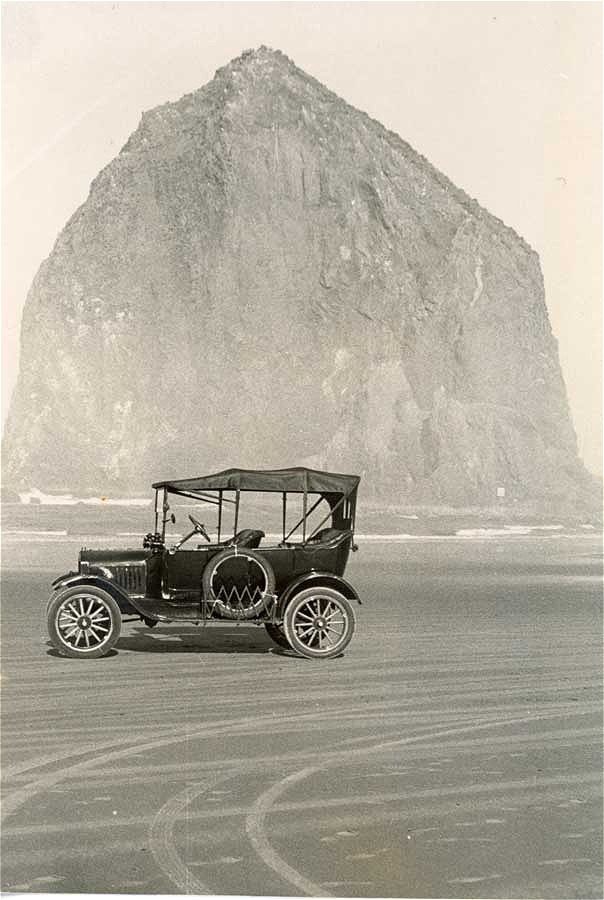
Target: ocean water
pixel 126 525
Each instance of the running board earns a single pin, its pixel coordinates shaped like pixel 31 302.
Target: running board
pixel 166 611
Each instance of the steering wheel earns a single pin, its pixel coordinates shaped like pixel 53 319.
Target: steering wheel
pixel 200 528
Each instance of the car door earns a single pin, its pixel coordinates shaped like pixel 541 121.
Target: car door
pixel 182 571
pixel 281 560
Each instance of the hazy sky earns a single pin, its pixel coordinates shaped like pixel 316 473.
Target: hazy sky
pixel 504 98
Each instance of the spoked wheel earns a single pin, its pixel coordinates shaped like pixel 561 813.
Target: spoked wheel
pixel 277 633
pixel 83 622
pixel 319 622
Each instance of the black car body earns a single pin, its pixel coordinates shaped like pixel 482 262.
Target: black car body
pixel 294 586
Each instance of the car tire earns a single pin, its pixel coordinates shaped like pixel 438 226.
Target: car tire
pixel 277 634
pixel 319 622
pixel 84 622
pixel 228 599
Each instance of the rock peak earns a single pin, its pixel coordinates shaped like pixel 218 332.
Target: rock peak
pixel 259 60
pixel 263 53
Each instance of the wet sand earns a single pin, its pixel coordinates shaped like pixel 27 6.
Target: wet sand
pixel 454 751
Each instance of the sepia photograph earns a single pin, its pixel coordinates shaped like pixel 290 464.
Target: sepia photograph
pixel 302 541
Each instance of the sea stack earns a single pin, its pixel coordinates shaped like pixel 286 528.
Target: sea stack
pixel 266 277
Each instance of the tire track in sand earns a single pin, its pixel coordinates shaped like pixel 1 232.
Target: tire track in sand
pixel 161 837
pixel 255 822
pixel 13 801
pixel 161 832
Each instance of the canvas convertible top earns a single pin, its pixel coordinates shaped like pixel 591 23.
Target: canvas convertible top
pixel 296 480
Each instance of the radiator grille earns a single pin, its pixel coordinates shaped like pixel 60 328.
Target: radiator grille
pixel 131 577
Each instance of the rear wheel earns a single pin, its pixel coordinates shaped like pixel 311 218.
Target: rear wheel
pixel 319 622
pixel 83 622
pixel 277 633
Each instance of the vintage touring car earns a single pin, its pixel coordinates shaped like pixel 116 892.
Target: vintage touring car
pixel 293 586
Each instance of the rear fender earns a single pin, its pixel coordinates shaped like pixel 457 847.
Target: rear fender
pixel 316 579
pixel 72 579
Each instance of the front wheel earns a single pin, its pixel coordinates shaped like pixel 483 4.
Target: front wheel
pixel 83 622
pixel 319 622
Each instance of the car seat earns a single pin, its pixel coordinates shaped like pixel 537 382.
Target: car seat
pixel 325 536
pixel 249 537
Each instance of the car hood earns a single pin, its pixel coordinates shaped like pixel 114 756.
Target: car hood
pixel 114 557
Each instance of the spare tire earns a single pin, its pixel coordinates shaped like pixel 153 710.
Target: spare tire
pixel 238 582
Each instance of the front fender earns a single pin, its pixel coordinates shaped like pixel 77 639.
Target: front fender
pixel 317 579
pixel 65 579
pixel 72 579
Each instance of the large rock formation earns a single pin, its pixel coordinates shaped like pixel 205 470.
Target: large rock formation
pixel 265 276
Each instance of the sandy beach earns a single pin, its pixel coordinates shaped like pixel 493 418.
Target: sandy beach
pixel 454 751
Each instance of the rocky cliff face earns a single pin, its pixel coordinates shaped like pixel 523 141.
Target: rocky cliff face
pixel 265 276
